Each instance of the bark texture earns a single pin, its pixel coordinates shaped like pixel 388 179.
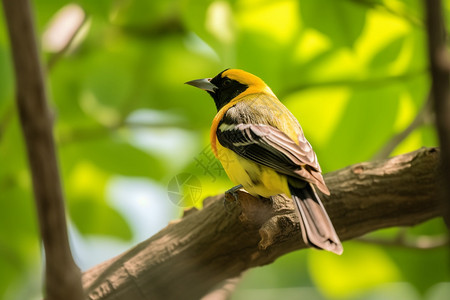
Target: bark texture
pixel 440 90
pixel 63 278
pixel 193 255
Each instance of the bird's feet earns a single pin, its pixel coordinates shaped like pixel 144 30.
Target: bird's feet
pixel 232 194
pixel 231 197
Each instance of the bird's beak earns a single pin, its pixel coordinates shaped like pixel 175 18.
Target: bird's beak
pixel 204 84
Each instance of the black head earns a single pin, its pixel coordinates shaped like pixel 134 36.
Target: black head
pixel 221 88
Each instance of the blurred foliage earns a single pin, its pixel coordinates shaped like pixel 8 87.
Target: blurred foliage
pixel 354 72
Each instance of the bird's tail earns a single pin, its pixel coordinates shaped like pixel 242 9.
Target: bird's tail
pixel 317 229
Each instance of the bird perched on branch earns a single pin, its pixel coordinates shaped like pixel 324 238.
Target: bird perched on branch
pixel 263 149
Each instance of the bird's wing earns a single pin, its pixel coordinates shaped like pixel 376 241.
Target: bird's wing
pixel 268 146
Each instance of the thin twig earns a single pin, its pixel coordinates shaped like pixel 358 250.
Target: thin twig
pixel 423 242
pixel 55 57
pixel 422 117
pixel 223 291
pixel 365 83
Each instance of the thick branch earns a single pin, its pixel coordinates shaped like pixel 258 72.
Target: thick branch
pixel 63 279
pixel 188 258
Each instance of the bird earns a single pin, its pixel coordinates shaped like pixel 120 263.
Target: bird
pixel 263 149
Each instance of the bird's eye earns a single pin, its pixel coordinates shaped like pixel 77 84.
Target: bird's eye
pixel 226 82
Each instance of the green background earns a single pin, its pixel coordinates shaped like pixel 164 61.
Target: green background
pixel 354 72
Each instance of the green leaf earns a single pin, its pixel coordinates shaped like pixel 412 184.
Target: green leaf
pixel 92 217
pixel 414 264
pixel 88 209
pixel 158 14
pixel 19 239
pixel 360 268
pixel 365 126
pixel 98 8
pixel 308 107
pixel 341 21
pixel 194 14
pixel 113 156
pixel 388 55
pixel 287 272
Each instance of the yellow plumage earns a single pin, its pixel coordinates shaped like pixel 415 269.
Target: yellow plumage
pixel 261 147
pixel 238 169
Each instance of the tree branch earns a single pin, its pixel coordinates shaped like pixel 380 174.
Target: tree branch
pixel 190 257
pixel 63 279
pixel 440 90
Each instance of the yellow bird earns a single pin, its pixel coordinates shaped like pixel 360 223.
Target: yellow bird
pixel 263 149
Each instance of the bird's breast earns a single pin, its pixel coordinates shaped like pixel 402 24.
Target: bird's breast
pixel 255 178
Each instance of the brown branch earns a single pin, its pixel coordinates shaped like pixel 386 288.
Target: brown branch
pixel 440 90
pixel 190 257
pixel 62 275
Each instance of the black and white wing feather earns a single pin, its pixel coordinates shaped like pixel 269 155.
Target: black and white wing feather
pixel 268 146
